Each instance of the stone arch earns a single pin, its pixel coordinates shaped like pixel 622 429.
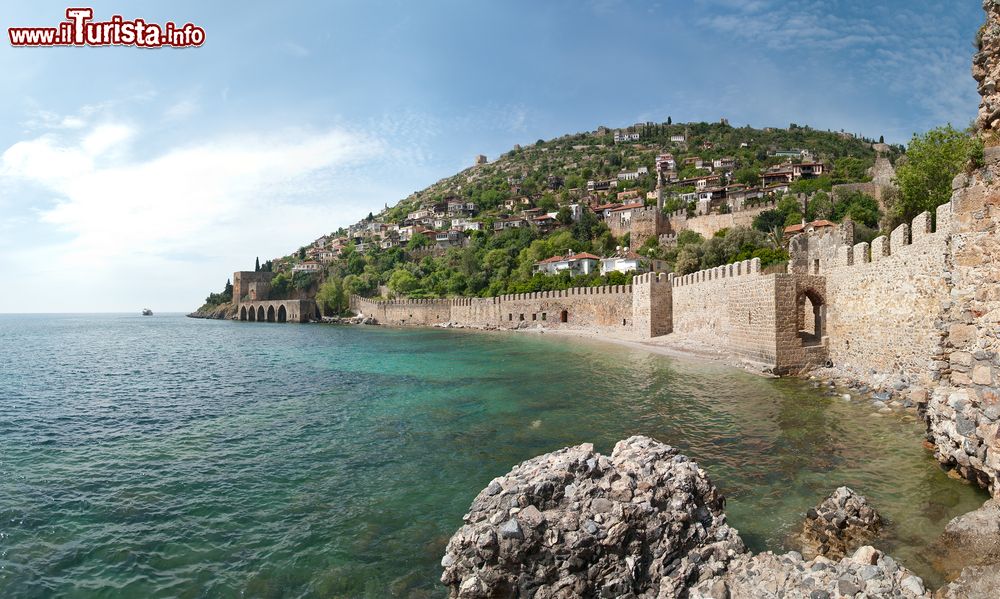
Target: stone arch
pixel 810 314
pixel 252 314
pixel 260 314
pixel 270 314
pixel 282 313
pixel 243 312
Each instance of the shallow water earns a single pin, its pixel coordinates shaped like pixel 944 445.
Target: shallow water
pixel 168 457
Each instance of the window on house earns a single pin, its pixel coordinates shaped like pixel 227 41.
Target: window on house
pixel 534 317
pixel 520 317
pixel 543 315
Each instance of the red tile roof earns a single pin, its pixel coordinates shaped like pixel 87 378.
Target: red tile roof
pixel 582 256
pixel 629 206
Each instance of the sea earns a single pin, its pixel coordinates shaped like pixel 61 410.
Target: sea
pixel 171 457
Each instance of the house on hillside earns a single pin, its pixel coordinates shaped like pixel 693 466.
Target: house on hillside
pixel 577 264
pixel 625 137
pixel 449 239
pixel 816 225
pixel 307 266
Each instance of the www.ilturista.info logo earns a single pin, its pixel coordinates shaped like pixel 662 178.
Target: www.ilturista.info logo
pixel 79 29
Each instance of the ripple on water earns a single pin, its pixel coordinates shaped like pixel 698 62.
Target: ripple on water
pixel 166 457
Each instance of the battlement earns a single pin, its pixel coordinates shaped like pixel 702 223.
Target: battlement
pixel 575 291
pixel 919 234
pixel 728 271
pixel 652 278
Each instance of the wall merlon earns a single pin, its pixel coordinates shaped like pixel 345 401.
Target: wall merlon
pixel 943 218
pixel 921 225
pixel 899 237
pixel 880 248
pixel 860 252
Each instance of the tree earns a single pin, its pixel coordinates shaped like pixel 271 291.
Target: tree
pixel 670 120
pixel 418 241
pixel 302 253
pixel 768 220
pixel 881 139
pixel 747 176
pixel 256 267
pixel 565 216
pixel 331 297
pixel 933 160
pixel 403 281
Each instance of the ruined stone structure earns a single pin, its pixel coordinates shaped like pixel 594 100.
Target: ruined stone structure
pixel 251 292
pixel 986 72
pixel 640 224
pixel 251 286
pixel 708 225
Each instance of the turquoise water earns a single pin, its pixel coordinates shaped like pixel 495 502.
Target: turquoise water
pixel 169 457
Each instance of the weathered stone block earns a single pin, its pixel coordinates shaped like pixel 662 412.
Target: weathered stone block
pixel 982 375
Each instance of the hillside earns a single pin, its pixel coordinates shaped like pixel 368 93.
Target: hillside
pixel 561 212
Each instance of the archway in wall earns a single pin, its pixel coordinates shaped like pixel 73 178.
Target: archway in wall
pixel 811 317
pixel 270 314
pixel 282 314
pixel 260 314
pixel 564 316
pixel 243 312
pixel 252 314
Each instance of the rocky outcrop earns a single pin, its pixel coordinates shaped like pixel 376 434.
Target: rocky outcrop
pixel 643 522
pixel 840 524
pixel 986 71
pixel 220 312
pixel 770 576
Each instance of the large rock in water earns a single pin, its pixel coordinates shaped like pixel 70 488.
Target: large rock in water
pixel 643 522
pixel 840 524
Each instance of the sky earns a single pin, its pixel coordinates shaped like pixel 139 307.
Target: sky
pixel 134 178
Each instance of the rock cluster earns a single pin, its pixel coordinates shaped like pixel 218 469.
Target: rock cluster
pixel 840 524
pixel 867 573
pixel 643 522
pixel 986 70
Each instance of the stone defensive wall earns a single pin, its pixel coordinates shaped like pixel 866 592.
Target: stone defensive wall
pixel 885 299
pixel 640 310
pixel 751 314
pixel 709 224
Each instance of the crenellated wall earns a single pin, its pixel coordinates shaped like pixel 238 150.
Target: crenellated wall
pixel 751 314
pixel 883 300
pixel 611 310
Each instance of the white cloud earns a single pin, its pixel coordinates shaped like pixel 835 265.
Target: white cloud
pixel 191 213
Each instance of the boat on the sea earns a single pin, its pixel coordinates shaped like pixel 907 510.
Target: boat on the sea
pixel 147 312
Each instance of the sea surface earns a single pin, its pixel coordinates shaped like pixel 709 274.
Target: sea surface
pixel 170 457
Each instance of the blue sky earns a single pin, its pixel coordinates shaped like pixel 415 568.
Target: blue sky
pixel 135 177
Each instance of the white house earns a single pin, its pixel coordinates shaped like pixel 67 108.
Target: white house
pixel 307 266
pixel 578 264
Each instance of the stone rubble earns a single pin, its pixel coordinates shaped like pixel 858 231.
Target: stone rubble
pixel 867 573
pixel 840 524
